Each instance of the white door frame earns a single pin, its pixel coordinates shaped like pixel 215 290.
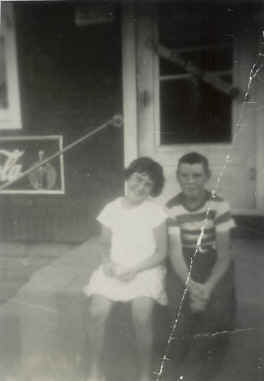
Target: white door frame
pixel 129 78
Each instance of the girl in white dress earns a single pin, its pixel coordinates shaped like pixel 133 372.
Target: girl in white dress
pixel 134 241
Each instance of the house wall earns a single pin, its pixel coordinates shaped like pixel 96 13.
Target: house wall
pixel 70 82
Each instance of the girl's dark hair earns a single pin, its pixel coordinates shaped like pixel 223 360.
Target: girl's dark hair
pixel 195 158
pixel 151 168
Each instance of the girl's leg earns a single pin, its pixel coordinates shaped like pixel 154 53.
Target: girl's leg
pixel 99 310
pixel 142 318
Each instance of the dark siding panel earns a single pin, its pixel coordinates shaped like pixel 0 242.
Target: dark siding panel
pixel 70 83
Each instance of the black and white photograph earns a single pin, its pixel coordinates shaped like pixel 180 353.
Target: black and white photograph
pixel 132 190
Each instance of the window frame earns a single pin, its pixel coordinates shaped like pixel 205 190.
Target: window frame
pixel 10 117
pixel 217 146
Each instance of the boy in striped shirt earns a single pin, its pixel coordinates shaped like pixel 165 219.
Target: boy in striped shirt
pixel 199 237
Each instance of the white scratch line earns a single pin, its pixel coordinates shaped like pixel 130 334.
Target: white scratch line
pixel 226 332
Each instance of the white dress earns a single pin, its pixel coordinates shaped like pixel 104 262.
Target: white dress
pixel 132 242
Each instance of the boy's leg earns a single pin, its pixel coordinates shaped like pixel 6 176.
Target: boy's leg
pixel 179 309
pixel 142 309
pixel 205 353
pixel 186 356
pixel 99 310
pixel 218 318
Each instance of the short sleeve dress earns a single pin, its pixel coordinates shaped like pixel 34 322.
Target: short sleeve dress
pixel 132 242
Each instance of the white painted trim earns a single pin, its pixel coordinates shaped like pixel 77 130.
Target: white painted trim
pixel 33 137
pixel 10 118
pixel 129 76
pixel 259 150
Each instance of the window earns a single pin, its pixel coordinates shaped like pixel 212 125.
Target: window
pixel 10 117
pixel 196 74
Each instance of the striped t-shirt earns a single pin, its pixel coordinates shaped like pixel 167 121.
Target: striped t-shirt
pixel 211 217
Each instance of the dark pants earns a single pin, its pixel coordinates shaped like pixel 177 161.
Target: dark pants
pixel 197 349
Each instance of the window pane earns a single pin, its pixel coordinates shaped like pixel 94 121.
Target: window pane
pixel 191 110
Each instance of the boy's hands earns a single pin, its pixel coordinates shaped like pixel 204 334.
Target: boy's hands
pixel 199 295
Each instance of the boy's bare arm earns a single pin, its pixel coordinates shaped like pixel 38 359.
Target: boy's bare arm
pixel 223 259
pixel 176 256
pixel 204 291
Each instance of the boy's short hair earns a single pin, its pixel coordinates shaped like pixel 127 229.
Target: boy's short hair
pixel 150 167
pixel 195 158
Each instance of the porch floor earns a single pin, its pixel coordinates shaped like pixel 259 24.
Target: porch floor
pixel 42 327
